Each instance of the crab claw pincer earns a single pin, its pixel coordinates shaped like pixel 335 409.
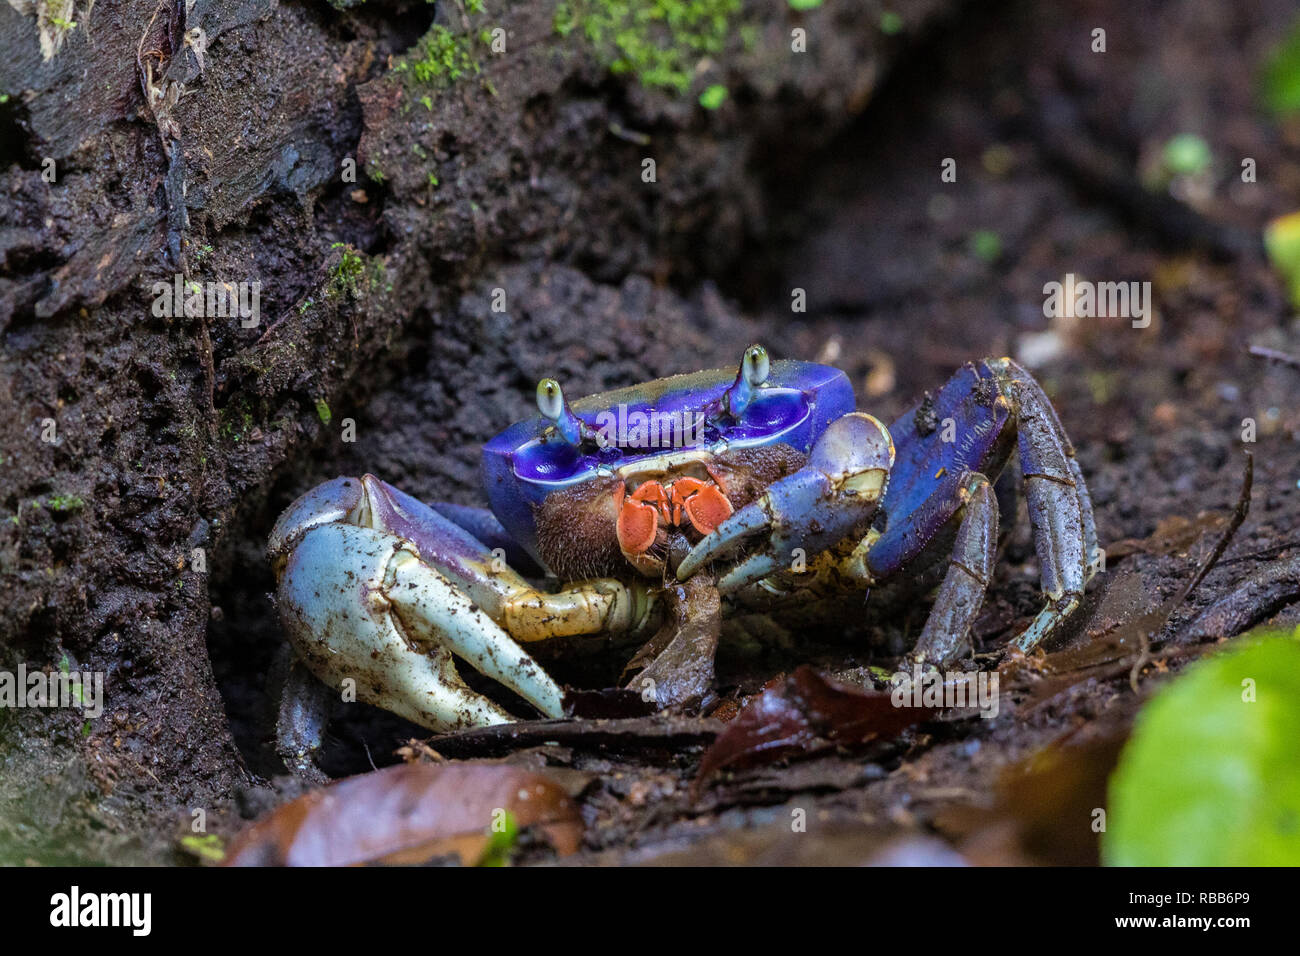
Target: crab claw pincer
pixel 833 496
pixel 361 601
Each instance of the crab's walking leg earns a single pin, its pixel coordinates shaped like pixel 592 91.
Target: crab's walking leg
pixel 1060 509
pixel 305 705
pixel 832 497
pixel 970 567
pixel 911 542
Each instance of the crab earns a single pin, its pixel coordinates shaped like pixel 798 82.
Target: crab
pixel 766 480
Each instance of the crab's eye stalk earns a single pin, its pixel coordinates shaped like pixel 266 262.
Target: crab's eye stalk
pixel 551 403
pixel 754 368
pixel 550 399
pixel 755 365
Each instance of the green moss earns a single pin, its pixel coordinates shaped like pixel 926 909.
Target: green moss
pixel 440 58
pixel 65 502
pixel 236 422
pixel 660 42
pixel 346 275
pixel 355 273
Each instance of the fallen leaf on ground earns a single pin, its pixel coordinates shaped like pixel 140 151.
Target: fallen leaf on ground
pixel 1174 534
pixel 807 712
pixel 410 813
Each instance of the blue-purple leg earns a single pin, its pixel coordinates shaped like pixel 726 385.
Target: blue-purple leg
pixel 1060 510
pixel 484 526
pixel 909 541
pixel 1090 548
pixel 994 407
pixel 970 568
pixel 304 713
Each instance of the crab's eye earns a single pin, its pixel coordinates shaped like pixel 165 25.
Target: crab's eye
pixel 755 365
pixel 551 403
pixel 550 399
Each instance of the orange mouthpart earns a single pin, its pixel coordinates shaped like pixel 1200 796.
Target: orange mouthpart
pixel 702 503
pixel 638 516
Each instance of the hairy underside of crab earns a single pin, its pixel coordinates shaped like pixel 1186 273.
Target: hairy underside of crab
pixel 644 519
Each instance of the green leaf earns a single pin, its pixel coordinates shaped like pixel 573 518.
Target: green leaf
pixel 805 4
pixel 501 841
pixel 1282 242
pixel 985 245
pixel 1186 155
pixel 1211 776
pixel 1280 80
pixel 207 847
pixel 713 97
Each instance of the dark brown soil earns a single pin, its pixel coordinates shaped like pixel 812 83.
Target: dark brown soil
pixel 820 172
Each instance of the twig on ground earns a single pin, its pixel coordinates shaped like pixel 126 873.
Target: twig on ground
pixel 1273 355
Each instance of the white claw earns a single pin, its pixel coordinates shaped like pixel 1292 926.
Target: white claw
pixel 356 607
pixel 435 610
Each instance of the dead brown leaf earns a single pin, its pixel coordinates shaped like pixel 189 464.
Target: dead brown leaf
pixel 407 814
pixel 806 713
